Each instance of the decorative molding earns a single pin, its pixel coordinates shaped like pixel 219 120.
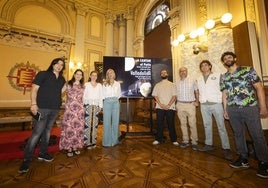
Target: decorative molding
pixel 35 41
pixel 110 17
pixel 81 9
pixel 90 24
pixel 11 7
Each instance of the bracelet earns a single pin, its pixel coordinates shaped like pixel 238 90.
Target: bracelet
pixel 33 104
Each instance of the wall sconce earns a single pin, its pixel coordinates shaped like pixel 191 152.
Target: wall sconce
pixel 73 65
pixel 199 47
pixel 225 19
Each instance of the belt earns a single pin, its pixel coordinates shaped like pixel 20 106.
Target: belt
pixel 186 101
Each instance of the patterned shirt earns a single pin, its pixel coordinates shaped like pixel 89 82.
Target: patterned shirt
pixel 239 86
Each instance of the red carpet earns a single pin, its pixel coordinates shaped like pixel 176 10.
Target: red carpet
pixel 11 143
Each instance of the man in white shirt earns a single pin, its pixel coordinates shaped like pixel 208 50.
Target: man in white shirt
pixel 187 101
pixel 210 98
pixel 164 93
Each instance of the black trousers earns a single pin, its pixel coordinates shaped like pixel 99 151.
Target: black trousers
pixel 160 117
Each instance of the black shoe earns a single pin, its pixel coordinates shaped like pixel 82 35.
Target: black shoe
pixel 240 163
pixel 194 147
pixel 24 167
pixel 45 157
pixel 263 170
pixel 184 145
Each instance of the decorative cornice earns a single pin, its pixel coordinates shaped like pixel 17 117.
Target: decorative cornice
pixel 81 9
pixel 35 41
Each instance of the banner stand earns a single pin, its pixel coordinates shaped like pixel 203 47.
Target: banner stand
pixel 128 133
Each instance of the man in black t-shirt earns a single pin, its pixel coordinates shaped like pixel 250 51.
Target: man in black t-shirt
pixel 45 99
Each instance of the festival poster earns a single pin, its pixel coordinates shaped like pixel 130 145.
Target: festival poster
pixel 137 75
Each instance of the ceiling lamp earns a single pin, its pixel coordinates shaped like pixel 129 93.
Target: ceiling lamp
pixel 226 18
pixel 201 31
pixel 79 64
pixel 210 24
pixel 71 64
pixel 175 43
pixel 181 37
pixel 193 34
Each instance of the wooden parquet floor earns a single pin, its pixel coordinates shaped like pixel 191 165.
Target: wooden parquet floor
pixel 135 163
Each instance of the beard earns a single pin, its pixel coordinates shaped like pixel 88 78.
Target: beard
pixel 230 63
pixel 164 77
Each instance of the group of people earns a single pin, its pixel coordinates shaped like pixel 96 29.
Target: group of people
pixel 238 96
pixel 80 118
pixel 230 96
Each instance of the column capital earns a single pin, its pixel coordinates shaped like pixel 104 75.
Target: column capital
pixel 175 17
pixel 110 17
pixel 81 9
pixel 121 20
pixel 130 13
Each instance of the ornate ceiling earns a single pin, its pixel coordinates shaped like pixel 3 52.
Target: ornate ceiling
pixel 114 5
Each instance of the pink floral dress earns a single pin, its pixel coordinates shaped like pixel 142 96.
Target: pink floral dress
pixel 72 132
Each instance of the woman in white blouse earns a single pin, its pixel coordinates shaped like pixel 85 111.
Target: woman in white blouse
pixel 111 107
pixel 93 103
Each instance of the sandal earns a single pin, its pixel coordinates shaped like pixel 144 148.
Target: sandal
pixel 70 154
pixel 76 152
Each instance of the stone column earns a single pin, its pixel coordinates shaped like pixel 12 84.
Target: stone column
pixel 122 35
pixel 79 49
pixel 130 31
pixel 109 34
pixel 188 15
pixel 215 9
pixel 175 28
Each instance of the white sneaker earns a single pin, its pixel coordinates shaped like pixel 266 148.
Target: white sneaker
pixel 175 143
pixel 156 142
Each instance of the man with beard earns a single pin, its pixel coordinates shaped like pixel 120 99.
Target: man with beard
pixel 164 93
pixel 242 106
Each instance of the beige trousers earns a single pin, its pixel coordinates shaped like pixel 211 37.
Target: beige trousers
pixel 187 111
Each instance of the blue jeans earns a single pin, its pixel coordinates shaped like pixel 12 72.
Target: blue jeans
pixel 251 117
pixel 160 116
pixel 110 121
pixel 41 131
pixel 217 111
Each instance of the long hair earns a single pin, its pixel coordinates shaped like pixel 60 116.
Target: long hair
pixel 107 80
pixel 89 79
pixel 55 61
pixel 71 82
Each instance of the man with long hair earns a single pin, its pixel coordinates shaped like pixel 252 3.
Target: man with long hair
pixel 45 99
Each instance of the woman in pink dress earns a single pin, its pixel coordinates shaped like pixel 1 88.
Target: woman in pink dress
pixel 72 132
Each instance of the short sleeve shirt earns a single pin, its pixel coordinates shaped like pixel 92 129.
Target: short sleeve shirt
pixel 239 86
pixel 164 90
pixel 49 92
